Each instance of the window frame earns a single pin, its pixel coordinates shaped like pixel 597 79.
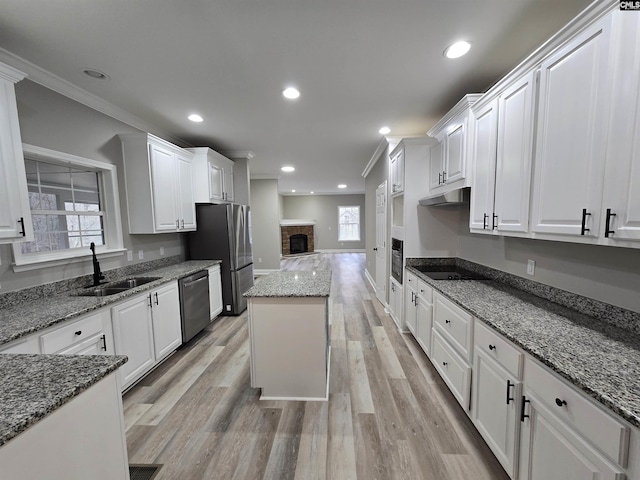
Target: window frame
pixel 359 239
pixel 112 224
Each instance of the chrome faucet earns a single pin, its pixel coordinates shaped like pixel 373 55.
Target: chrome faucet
pixel 97 274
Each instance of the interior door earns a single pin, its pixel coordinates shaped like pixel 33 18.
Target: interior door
pixel 381 243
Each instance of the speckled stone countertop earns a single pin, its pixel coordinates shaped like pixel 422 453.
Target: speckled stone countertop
pixel 35 314
pixel 597 356
pixel 33 386
pixel 315 283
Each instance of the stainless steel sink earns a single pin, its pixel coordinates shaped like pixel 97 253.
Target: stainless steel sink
pixel 117 287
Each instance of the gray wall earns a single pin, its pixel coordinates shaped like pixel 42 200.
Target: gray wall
pixel 324 210
pixel 52 121
pixel 265 224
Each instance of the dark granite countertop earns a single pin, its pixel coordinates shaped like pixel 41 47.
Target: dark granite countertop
pixel 597 356
pixel 35 314
pixel 315 283
pixel 33 386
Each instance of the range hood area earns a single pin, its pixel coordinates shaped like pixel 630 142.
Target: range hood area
pixel 455 197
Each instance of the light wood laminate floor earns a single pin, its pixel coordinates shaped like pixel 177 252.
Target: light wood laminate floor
pixel 389 416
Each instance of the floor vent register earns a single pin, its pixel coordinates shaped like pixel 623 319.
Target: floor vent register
pixel 144 472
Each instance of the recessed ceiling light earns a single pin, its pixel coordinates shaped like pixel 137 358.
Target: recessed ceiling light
pixel 342 185
pixel 458 49
pixel 312 193
pixel 384 130
pixel 194 117
pixel 293 191
pixel 97 74
pixel 288 169
pixel 291 93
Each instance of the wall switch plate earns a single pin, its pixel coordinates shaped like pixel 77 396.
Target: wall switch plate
pixel 161 250
pixel 140 254
pixel 531 267
pixel 129 256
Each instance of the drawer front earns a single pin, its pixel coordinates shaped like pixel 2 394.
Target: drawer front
pixel 425 291
pixel 64 337
pixel 455 324
pixel 601 428
pixel 452 368
pixel 498 348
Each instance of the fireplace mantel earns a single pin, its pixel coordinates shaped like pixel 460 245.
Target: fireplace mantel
pixel 292 222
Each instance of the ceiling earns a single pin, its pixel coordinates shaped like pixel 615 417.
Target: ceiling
pixel 359 64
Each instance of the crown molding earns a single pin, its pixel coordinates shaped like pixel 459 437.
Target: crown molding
pixel 381 148
pixel 239 154
pixel 63 87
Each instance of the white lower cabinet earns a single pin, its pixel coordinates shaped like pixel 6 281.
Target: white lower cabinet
pixel 91 334
pixel 453 369
pixel 146 329
pixel 411 302
pixel 396 299
pixel 215 291
pixel 496 395
pixel 424 318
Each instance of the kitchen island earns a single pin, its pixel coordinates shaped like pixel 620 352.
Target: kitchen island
pixel 289 335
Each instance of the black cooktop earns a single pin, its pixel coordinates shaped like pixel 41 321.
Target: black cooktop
pixel 449 272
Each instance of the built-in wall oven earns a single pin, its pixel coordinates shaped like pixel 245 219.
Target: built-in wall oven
pixel 396 259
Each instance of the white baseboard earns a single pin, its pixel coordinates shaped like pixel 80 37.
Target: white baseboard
pixel 341 250
pixel 370 278
pixel 264 271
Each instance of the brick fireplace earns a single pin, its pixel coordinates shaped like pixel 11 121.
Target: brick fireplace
pixel 297 232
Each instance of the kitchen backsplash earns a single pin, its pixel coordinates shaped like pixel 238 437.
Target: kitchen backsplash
pixel 11 299
pixel 611 314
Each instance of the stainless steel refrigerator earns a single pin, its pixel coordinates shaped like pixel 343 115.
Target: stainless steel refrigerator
pixel 224 233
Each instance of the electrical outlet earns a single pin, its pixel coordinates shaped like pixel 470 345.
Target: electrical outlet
pixel 140 254
pixel 531 267
pixel 129 256
pixel 161 251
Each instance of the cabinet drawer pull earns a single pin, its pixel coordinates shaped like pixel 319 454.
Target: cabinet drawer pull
pixel 583 227
pixel 104 342
pixel 157 303
pixel 560 403
pixel 447 321
pixel 524 403
pixel 509 397
pixel 444 364
pixel 79 332
pixel 444 177
pixel 494 222
pixel 492 347
pixel 178 223
pixel 485 223
pixel 607 225
pixel 150 301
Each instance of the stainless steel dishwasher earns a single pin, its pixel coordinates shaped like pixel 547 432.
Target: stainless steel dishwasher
pixel 194 304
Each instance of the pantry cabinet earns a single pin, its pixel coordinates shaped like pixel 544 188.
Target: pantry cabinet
pixel 158 179
pixel 452 170
pixel 15 215
pixel 573 112
pixel 502 154
pixel 213 179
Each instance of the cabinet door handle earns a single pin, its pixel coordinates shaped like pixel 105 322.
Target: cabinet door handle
pixel 150 301
pixel 104 342
pixel 583 227
pixel 447 321
pixel 485 222
pixel 524 403
pixel 412 295
pixel 440 178
pixel 607 225
pixel 178 223
pixel 156 294
pixel 22 231
pixel 494 222
pixel 375 249
pixel 560 403
pixel 444 364
pixel 182 222
pixel 79 332
pixel 415 300
pixel 509 397
pixel 444 177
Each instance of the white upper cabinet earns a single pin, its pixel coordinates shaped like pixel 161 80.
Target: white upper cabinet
pixel 213 176
pixel 621 201
pixel 396 160
pixel 502 151
pixel 15 215
pixel 159 179
pixel 573 107
pixel 451 170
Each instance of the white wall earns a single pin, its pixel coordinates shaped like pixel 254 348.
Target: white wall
pixel 265 224
pixel 324 210
pixel 53 121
